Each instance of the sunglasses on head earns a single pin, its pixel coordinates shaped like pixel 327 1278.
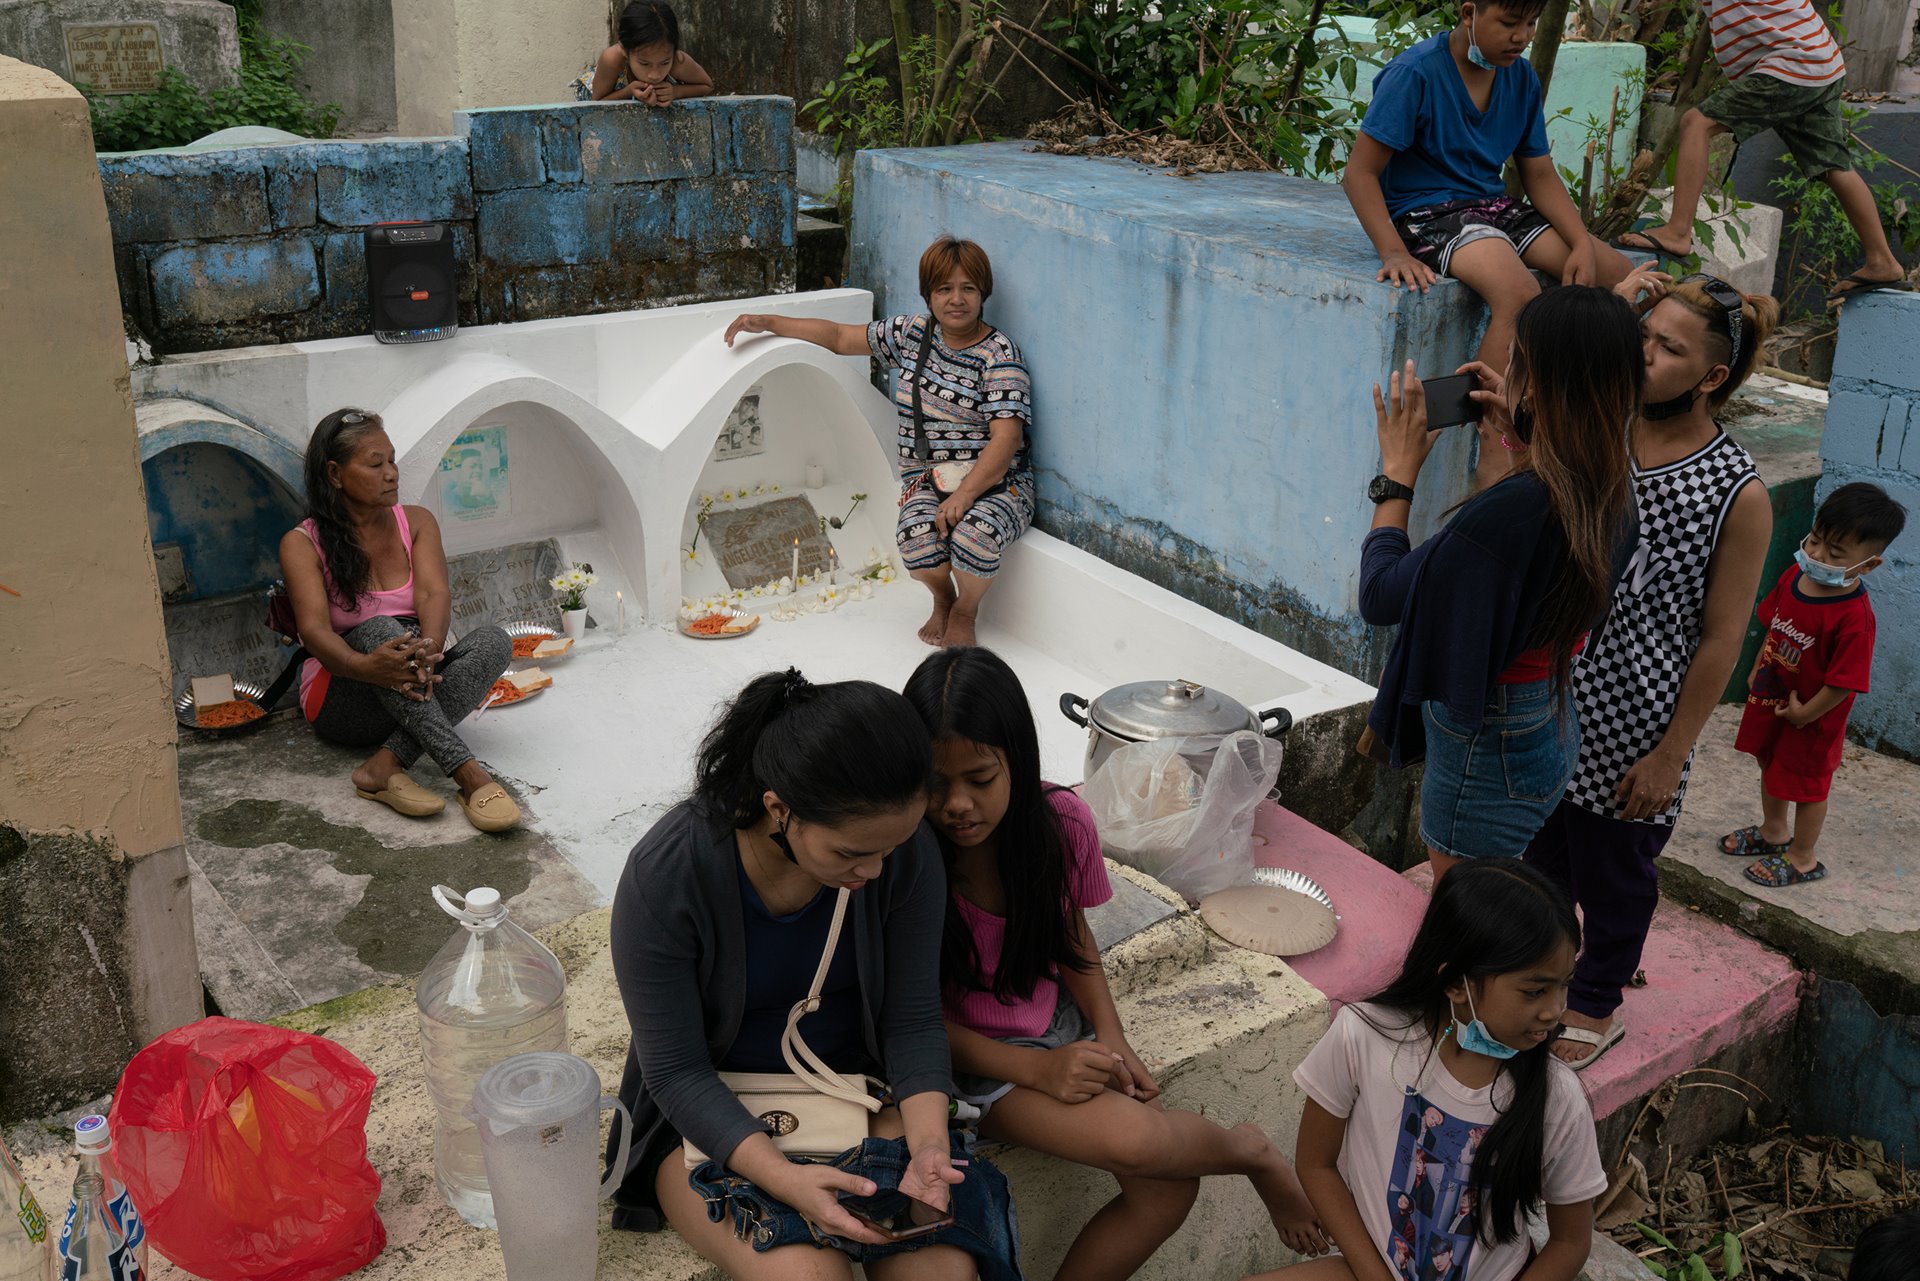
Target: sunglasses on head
pixel 353 418
pixel 1728 299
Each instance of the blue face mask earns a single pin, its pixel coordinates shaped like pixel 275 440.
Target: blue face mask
pixel 1474 55
pixel 1822 573
pixel 1475 1039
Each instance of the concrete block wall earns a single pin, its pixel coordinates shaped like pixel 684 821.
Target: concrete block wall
pixel 1873 434
pixel 1203 353
pixel 555 211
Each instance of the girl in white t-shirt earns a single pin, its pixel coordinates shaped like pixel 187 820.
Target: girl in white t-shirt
pixel 1437 1118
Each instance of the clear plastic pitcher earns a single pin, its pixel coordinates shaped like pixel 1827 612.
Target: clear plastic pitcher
pixel 492 992
pixel 539 1123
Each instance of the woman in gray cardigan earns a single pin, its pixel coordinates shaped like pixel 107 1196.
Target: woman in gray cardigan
pixel 719 922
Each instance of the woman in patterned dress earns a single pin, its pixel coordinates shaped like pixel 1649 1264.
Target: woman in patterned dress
pixel 1653 675
pixel 966 407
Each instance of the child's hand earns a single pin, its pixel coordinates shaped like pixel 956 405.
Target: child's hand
pixel 1794 712
pixel 1130 1075
pixel 1401 421
pixel 656 95
pixel 1581 269
pixel 1404 269
pixel 1075 1073
pixel 752 323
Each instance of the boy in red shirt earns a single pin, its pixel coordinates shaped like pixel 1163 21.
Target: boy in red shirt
pixel 1817 655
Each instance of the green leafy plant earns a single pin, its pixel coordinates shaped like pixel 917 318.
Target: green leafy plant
pixel 1273 80
pixel 179 111
pixel 1695 1267
pixel 1816 240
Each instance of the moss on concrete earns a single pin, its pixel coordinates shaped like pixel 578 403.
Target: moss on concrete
pixel 389 928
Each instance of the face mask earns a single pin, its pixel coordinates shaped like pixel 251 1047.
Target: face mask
pixel 1474 55
pixel 1660 410
pixel 1475 1039
pixel 779 839
pixel 1822 573
pixel 1523 422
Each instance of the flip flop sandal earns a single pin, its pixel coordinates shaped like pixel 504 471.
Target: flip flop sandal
pixel 1776 873
pixel 1601 1041
pixel 1651 246
pixel 490 809
pixel 1859 284
pixel 404 796
pixel 1748 843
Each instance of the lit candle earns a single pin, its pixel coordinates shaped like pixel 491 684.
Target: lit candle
pixel 833 567
pixel 620 601
pixel 796 562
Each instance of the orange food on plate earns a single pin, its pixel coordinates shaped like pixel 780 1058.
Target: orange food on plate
pixel 504 691
pixel 523 646
pixel 711 625
pixel 226 715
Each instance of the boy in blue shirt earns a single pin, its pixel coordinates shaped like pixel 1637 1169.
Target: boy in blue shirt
pixel 1425 181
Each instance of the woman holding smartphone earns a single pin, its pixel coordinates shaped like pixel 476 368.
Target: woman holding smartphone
pixel 1492 609
pixel 721 921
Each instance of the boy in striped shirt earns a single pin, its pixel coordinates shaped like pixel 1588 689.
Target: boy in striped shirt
pixel 1784 73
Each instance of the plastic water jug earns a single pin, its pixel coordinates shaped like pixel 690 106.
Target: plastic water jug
pixel 539 1122
pixel 492 992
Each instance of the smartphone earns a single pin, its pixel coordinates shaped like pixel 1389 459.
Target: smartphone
pixel 895 1215
pixel 1448 401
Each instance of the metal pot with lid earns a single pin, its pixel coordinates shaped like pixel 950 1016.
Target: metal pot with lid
pixel 1148 710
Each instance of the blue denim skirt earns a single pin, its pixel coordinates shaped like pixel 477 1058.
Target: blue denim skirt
pixel 984 1225
pixel 1486 791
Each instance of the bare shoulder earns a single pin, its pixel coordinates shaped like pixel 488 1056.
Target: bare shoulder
pixel 421 519
pixel 296 546
pixel 612 58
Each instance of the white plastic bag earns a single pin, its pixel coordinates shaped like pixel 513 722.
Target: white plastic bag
pixel 1193 834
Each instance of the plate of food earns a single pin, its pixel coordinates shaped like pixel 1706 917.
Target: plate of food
pixel 537 640
pixel 222 715
pixel 515 687
pixel 719 624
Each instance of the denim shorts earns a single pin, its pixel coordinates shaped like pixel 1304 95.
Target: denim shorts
pixel 983 1218
pixel 1488 790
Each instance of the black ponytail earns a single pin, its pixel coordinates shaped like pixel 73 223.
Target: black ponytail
pixel 831 752
pixel 970 693
pixel 334 441
pixel 1488 917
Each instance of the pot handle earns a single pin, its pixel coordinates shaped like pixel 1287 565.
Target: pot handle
pixel 1282 721
pixel 1068 704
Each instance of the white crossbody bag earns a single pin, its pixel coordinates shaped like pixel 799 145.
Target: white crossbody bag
pixel 812 1111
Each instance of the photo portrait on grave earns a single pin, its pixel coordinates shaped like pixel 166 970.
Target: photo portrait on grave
pixel 965 405
pixel 800 874
pixel 368 578
pixel 1492 609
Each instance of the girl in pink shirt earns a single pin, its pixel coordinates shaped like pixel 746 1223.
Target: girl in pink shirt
pixel 1037 1043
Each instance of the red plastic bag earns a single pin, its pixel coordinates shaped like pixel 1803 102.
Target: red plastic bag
pixel 245 1149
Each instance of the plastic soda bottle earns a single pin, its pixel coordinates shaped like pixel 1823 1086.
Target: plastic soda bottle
pixel 492 992
pixel 26 1244
pixel 95 1244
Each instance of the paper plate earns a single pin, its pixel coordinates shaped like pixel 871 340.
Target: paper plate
pixel 1266 919
pixel 1285 878
pixel 743 619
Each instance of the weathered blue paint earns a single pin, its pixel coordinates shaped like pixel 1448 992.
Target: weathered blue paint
pixel 226 513
pixel 207 284
pixel 536 226
pixel 1873 434
pixel 1863 1073
pixel 264 449
pixel 396 180
pixel 1203 353
pixel 263 244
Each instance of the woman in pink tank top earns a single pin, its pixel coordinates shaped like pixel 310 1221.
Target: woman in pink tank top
pixel 378 669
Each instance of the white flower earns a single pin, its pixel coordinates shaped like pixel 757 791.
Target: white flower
pixel 773 489
pixel 886 574
pixel 786 583
pixel 726 495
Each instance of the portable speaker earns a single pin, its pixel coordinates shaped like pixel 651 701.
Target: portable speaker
pixel 410 282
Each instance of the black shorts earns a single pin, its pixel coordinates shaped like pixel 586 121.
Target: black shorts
pixel 1433 233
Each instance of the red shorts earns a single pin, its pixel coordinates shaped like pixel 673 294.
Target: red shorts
pixel 1795 764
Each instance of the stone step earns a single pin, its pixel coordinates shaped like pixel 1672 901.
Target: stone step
pixel 821 246
pixel 1715 998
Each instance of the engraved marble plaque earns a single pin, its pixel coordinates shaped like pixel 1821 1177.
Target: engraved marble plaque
pixel 505 585
pixel 119 58
pixel 755 544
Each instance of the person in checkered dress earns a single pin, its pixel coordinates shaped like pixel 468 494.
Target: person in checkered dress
pixel 1654 673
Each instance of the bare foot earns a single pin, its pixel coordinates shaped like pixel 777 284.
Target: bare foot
pixel 1572 1051
pixel 1286 1201
pixel 959 629
pixel 935 628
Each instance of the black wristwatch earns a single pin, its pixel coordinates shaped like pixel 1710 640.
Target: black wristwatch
pixel 1383 488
